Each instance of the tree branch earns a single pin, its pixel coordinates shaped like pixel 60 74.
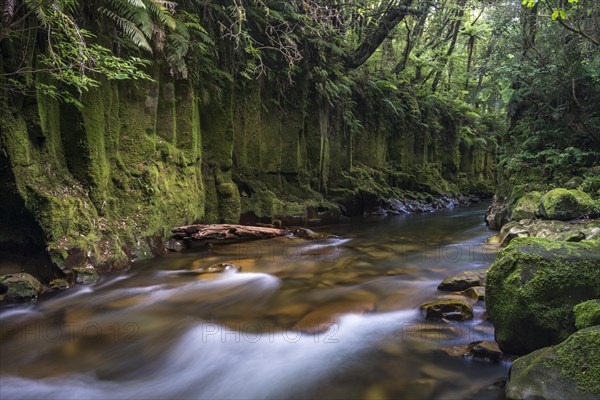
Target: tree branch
pixel 374 38
pixel 572 29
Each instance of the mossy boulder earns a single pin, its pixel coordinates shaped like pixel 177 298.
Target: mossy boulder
pixel 532 288
pixel 19 288
pixel 570 370
pixel 86 275
pixel 587 314
pixel 564 205
pixel 527 206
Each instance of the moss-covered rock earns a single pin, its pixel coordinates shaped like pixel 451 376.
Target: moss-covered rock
pixel 564 205
pixel 532 288
pixel 570 370
pixel 527 206
pixel 86 275
pixel 19 288
pixel 587 314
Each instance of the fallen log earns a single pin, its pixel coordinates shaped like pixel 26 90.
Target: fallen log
pixel 227 232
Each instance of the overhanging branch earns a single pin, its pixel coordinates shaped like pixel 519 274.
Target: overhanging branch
pixel 394 15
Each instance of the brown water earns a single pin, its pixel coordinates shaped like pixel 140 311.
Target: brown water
pixel 336 318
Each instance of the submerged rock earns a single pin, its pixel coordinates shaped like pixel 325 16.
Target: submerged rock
pixel 532 288
pixel 451 309
pixel 570 370
pixel 218 267
pixel 564 205
pixel 19 288
pixel 324 317
pixel 495 391
pixel 312 235
pixel 587 314
pixel 460 282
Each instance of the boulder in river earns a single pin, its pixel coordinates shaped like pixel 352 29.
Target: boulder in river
pixel 527 206
pixel 460 282
pixel 19 288
pixel 311 235
pixel 569 370
pixel 451 309
pixel 485 350
pixel 476 293
pixel 86 275
pixel 564 205
pixel 532 288
pixel 587 314
pixel 218 267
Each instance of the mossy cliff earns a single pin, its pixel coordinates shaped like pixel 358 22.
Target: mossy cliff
pixel 102 184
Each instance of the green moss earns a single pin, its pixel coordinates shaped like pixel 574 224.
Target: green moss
pixel 19 288
pixel 532 287
pixel 229 202
pixel 563 204
pixel 587 314
pixel 579 360
pixel 570 370
pixel 527 206
pixel 263 203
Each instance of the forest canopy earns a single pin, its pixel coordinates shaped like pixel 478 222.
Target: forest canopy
pixel 537 60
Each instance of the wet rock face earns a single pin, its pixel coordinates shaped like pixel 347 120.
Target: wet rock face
pixel 532 288
pixel 570 370
pixel 19 288
pixel 476 293
pixel 564 205
pixel 175 245
pixel 86 275
pixel 451 309
pixel 497 215
pixel 485 350
pixel 460 282
pixel 573 231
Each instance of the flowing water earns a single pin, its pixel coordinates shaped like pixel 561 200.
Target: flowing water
pixel 335 318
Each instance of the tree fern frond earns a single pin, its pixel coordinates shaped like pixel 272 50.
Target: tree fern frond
pixel 135 34
pixel 162 13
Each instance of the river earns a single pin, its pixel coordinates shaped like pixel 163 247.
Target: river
pixel 336 318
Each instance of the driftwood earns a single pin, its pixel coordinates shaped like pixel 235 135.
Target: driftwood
pixel 219 232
